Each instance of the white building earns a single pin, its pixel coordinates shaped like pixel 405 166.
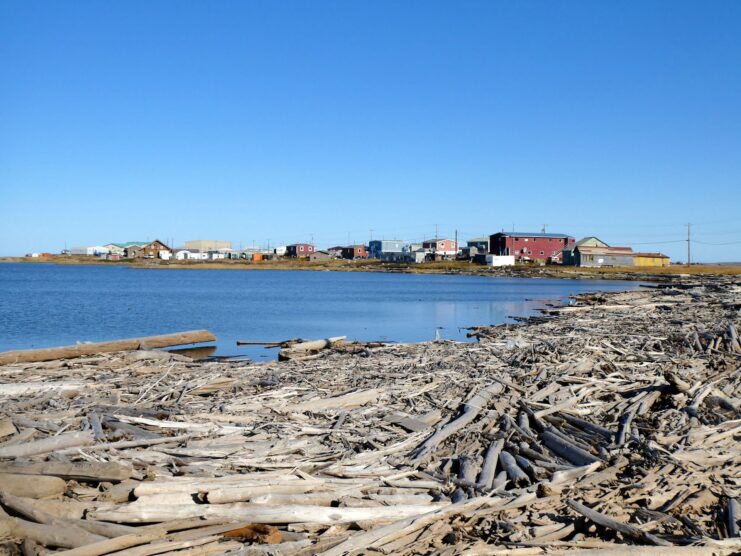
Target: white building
pixel 92 251
pixel 500 260
pixel 281 250
pixel 190 255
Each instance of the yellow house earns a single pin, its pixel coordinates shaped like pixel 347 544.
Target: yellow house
pixel 650 259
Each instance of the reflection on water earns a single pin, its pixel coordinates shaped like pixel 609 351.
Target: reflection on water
pixel 44 305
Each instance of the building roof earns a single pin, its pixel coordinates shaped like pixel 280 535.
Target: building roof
pixel 583 240
pixel 532 234
pixel 481 238
pixel 129 244
pixel 160 242
pixel 585 249
pixel 436 239
pixel 652 255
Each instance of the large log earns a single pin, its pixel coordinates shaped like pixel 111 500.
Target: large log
pixel 147 513
pixel 84 471
pixel 79 350
pixel 49 444
pixel 40 487
pixel 471 410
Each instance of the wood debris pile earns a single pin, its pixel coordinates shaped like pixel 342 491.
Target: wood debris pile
pixel 613 424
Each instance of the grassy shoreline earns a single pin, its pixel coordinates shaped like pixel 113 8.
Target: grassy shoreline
pixel 439 267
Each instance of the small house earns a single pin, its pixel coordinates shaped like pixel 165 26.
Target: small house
pixel 385 248
pixel 591 241
pixel 587 256
pixel 354 252
pixel 441 247
pixel 154 250
pixel 320 256
pixel 298 250
pixel 481 244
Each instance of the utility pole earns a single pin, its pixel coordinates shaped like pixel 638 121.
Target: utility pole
pixel 689 242
pixel 371 232
pixel 543 230
pixel 456 242
pixel 312 239
pixel 436 231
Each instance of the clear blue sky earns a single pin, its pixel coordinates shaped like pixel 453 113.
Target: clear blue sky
pixel 256 121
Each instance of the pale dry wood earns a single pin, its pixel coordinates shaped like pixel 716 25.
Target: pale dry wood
pixel 46 445
pixel 80 350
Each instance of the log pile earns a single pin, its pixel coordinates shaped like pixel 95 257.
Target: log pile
pixel 612 425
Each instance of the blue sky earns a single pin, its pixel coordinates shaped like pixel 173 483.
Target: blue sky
pixel 275 121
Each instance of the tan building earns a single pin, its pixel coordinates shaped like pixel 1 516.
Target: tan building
pixel 204 245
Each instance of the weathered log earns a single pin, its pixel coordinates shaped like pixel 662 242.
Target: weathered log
pixel 733 513
pixel 69 352
pixel 34 510
pixel 49 444
pixel 470 411
pixel 625 528
pixel 132 513
pixel 39 487
pixel 345 401
pixel 109 472
pixel 143 535
pixel 489 467
pixel 31 388
pixel 7 427
pixel 57 534
pixel 515 474
pixel 566 450
pixel 301 349
pixel 239 494
pixel 404 526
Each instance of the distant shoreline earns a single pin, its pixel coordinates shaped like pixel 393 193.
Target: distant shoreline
pixel 371 265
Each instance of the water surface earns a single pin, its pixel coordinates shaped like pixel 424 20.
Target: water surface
pixel 44 305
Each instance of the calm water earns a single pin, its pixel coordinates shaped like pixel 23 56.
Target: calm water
pixel 46 305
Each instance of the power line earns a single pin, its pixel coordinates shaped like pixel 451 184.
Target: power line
pixel 709 243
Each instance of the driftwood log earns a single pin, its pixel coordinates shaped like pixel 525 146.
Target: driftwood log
pixel 79 350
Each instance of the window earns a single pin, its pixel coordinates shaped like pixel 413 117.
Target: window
pixel 542 253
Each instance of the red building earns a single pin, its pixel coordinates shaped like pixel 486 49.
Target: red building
pixel 354 252
pixel 299 250
pixel 530 246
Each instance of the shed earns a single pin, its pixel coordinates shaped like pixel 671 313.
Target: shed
pixel 651 259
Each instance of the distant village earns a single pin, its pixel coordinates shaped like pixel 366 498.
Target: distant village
pixel 499 249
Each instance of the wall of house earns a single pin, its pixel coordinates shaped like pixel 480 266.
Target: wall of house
pixel 530 248
pixel 379 246
pixel 651 261
pixel 601 259
pixel 299 250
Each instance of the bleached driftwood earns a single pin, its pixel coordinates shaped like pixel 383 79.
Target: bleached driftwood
pixel 79 350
